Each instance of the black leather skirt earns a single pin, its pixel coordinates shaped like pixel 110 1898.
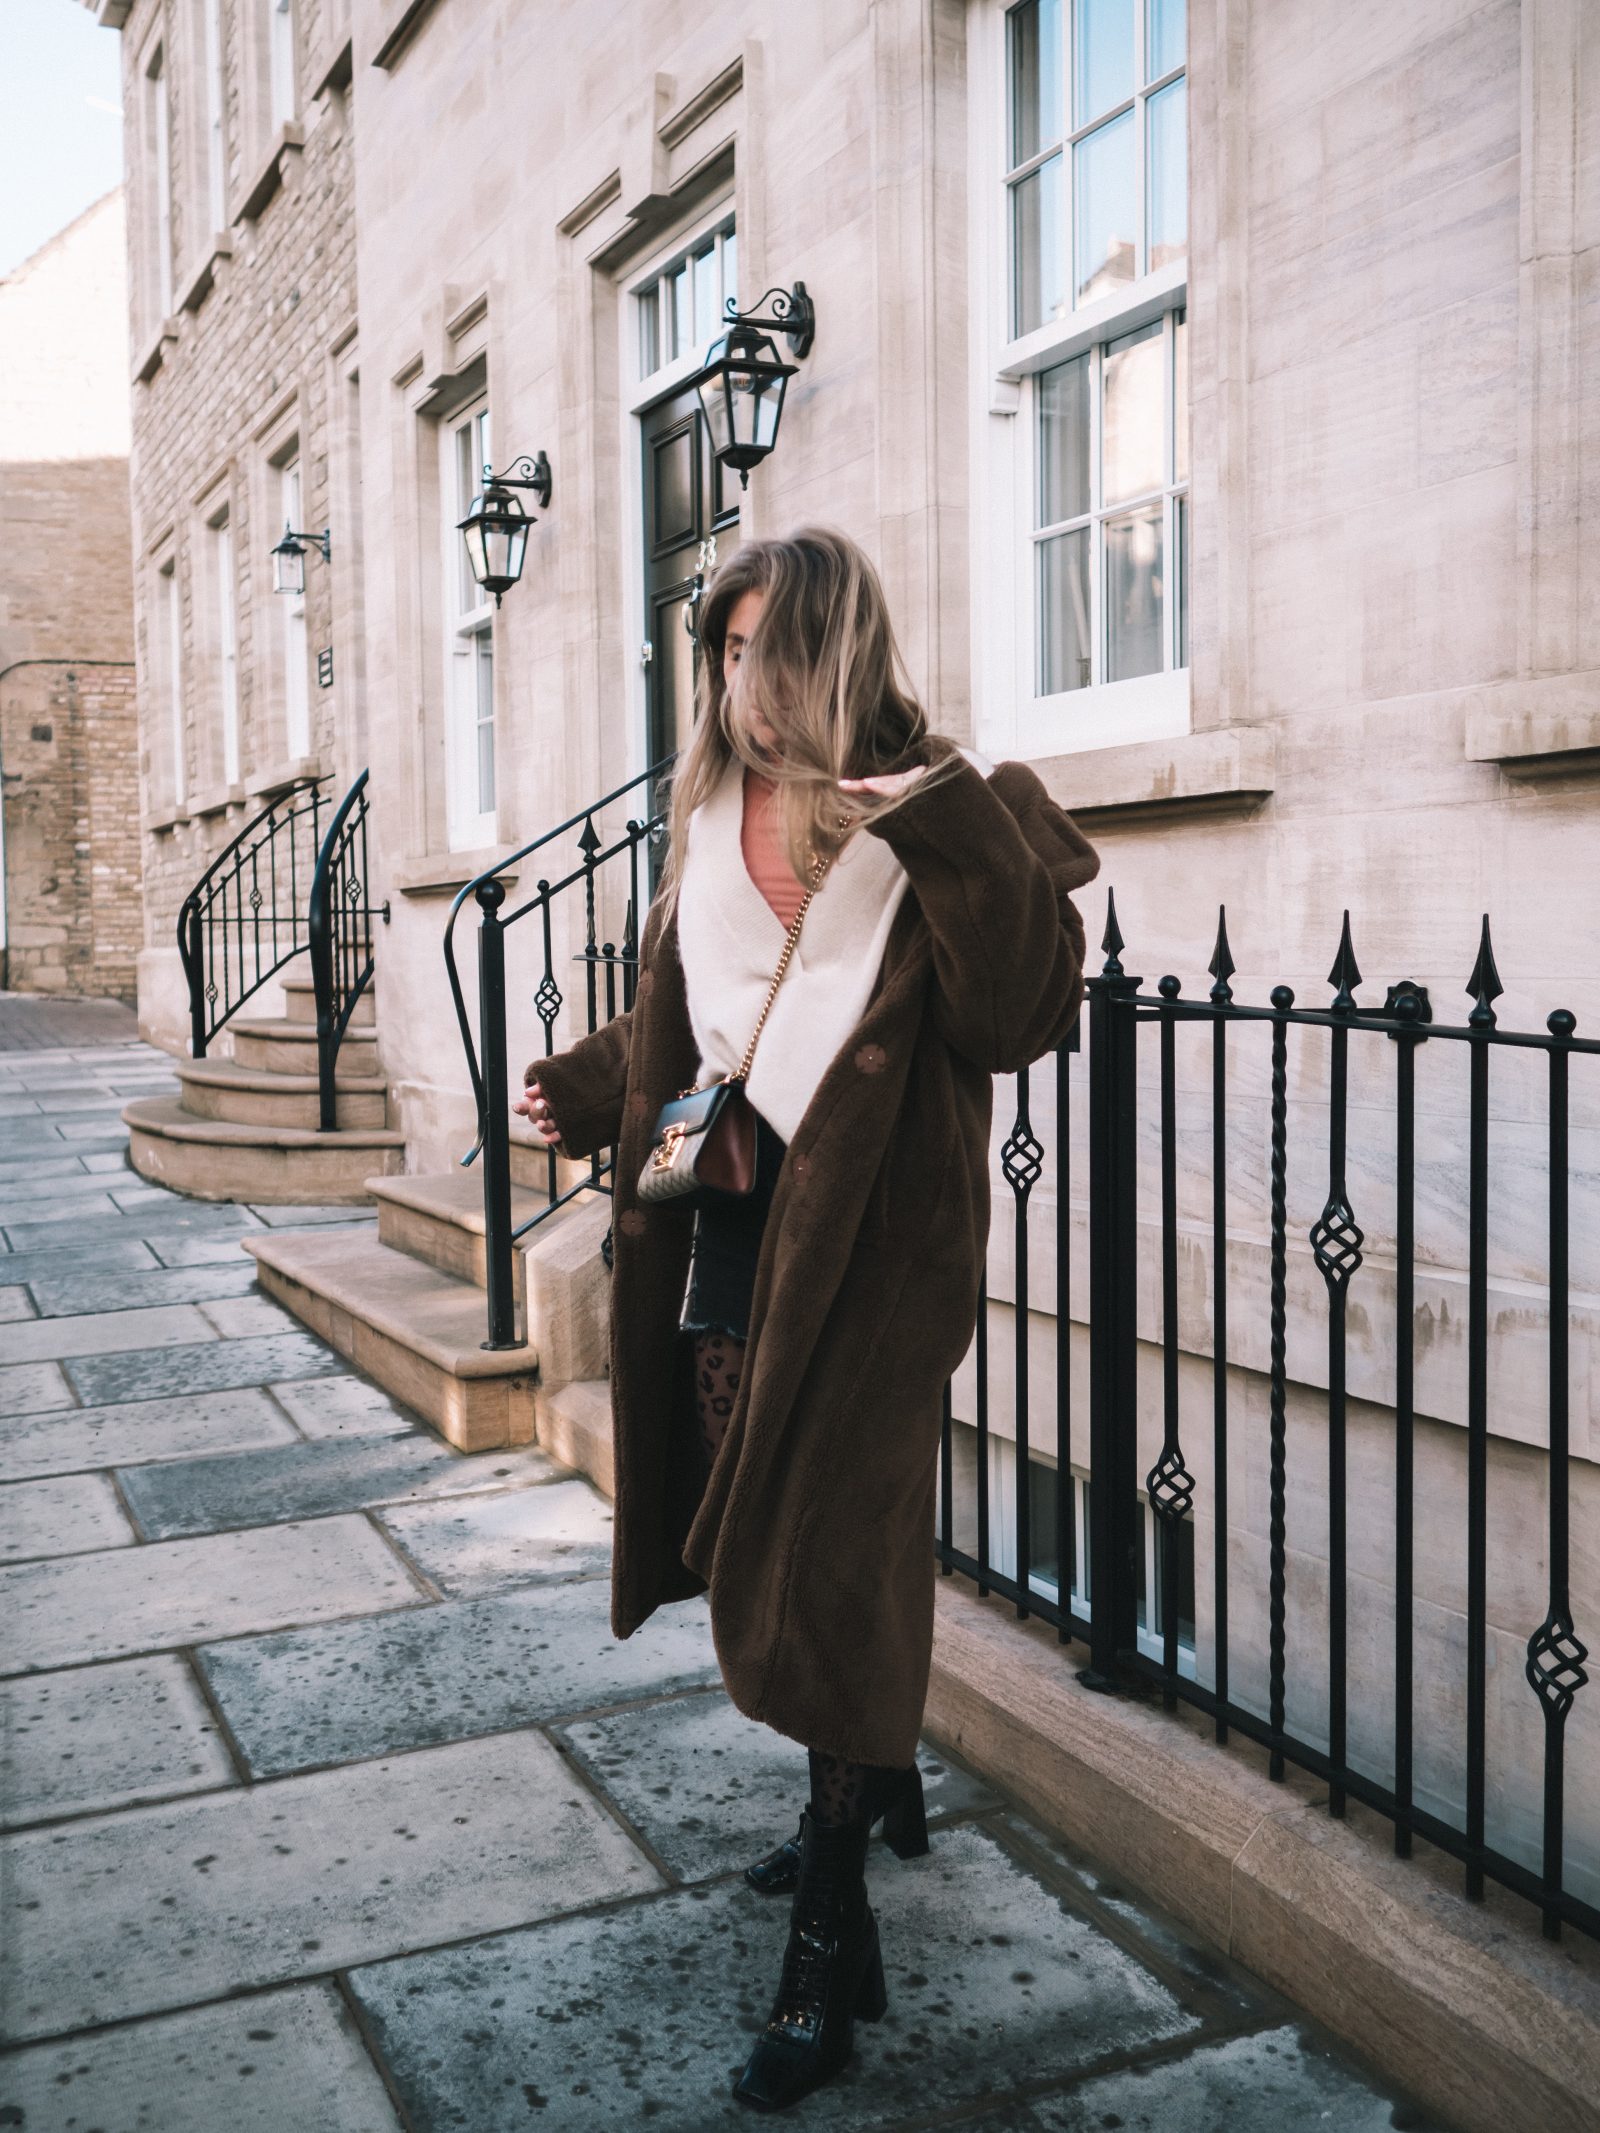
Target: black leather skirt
pixel 727 1243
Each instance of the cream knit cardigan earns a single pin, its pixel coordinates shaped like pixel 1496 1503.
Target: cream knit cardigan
pixel 730 939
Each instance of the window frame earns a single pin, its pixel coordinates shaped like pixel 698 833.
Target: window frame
pixel 468 631
pixel 169 601
pixel 158 149
pixel 719 226
pixel 295 641
pixel 1011 716
pixel 283 68
pixel 225 615
pixel 214 144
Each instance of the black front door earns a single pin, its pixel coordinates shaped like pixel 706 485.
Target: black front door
pixel 691 523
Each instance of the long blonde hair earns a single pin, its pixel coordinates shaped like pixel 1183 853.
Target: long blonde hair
pixel 822 668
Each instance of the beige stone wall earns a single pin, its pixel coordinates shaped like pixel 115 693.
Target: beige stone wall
pixel 68 734
pixel 246 366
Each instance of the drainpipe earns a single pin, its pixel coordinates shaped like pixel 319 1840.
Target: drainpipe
pixel 5 952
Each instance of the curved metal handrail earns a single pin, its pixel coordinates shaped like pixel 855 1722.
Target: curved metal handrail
pixel 196 930
pixel 491 875
pixel 342 959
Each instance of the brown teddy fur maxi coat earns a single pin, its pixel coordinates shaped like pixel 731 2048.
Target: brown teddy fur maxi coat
pixel 814 1534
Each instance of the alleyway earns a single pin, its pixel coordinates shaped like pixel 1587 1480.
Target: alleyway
pixel 333 1805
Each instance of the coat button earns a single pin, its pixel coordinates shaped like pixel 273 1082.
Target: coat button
pixel 802 1163
pixel 632 1222
pixel 871 1058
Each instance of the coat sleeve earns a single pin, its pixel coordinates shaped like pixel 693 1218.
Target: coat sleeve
pixel 992 862
pixel 584 1086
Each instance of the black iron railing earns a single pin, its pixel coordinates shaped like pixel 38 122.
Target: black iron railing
pixel 600 867
pixel 1111 1559
pixel 284 886
pixel 339 936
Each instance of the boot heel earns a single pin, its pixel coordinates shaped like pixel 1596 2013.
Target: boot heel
pixel 905 1823
pixel 872 1997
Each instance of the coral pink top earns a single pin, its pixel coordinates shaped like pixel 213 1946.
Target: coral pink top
pixel 761 841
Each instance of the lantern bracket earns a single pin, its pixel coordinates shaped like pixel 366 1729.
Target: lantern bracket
pixel 319 541
pixel 523 473
pixel 793 315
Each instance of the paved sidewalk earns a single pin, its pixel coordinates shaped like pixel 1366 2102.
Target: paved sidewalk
pixel 333 1806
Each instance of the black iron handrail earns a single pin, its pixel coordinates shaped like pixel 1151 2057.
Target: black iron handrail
pixel 339 936
pixel 486 1058
pixel 245 917
pixel 1097 1591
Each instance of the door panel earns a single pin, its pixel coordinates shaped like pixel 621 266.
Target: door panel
pixel 691 523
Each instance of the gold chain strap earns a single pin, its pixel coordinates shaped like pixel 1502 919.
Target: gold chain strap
pixel 743 1071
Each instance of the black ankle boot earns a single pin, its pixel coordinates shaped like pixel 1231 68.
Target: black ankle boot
pixel 905 1831
pixel 832 1972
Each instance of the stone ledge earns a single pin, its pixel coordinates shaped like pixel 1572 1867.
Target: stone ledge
pixel 1229 766
pixel 442 873
pixel 1463 2004
pixel 153 354
pixel 200 281
pixel 287 141
pixel 1549 726
pixel 282 775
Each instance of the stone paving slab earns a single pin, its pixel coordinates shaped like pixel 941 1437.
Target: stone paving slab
pixel 165 1216
pixel 1276 2081
pixel 170 1250
pixel 648 2013
pixel 15 1304
pixel 69 1514
pixel 95 1737
pixel 82 1289
pixel 709 1789
pixel 169 1906
pixel 239 1317
pixel 305 1697
pixel 288 2061
pixel 113 1256
pixel 495 1542
pixel 167 1326
pixel 218 1366
pixel 313 1217
pixel 310 1480
pixel 27 1168
pixel 35 1223
pixel 128 1600
pixel 44 1186
pixel 25 1388
pixel 341 1406
pixel 74 1439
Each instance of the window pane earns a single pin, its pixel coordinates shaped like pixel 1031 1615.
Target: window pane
pixel 1102 57
pixel 1107 212
pixel 649 334
pixel 705 294
pixel 1133 594
pixel 730 267
pixel 1133 426
pixel 1064 441
pixel 1180 398
pixel 682 310
pixel 1044 1553
pixel 484 676
pixel 1169 173
pixel 1036 248
pixel 1183 580
pixel 1035 32
pixel 1064 637
pixel 1164 38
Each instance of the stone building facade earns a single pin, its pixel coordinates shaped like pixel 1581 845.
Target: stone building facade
pixel 1217 395
pixel 69 839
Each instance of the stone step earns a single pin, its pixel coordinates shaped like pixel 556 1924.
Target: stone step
pixel 417 1331
pixel 214 1159
pixel 281 1046
pixel 245 1096
pixel 574 1426
pixel 300 1003
pixel 560 1279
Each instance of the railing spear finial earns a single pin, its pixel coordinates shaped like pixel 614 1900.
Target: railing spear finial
pixel 1484 983
pixel 1111 940
pixel 1345 973
pixel 1222 965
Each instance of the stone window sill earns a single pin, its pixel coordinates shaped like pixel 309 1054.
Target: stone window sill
pixel 443 873
pixel 398 23
pixel 204 275
pixel 1229 768
pixel 154 354
pixel 216 799
pixel 287 142
pixel 281 776
pixel 1544 728
pixel 332 69
pixel 167 817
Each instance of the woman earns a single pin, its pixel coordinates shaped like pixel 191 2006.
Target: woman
pixel 778 1363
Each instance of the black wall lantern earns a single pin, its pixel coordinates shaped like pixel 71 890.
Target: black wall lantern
pixel 289 559
pixel 742 384
pixel 496 526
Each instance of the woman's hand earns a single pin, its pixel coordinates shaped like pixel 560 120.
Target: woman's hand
pixel 532 1105
pixel 889 781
